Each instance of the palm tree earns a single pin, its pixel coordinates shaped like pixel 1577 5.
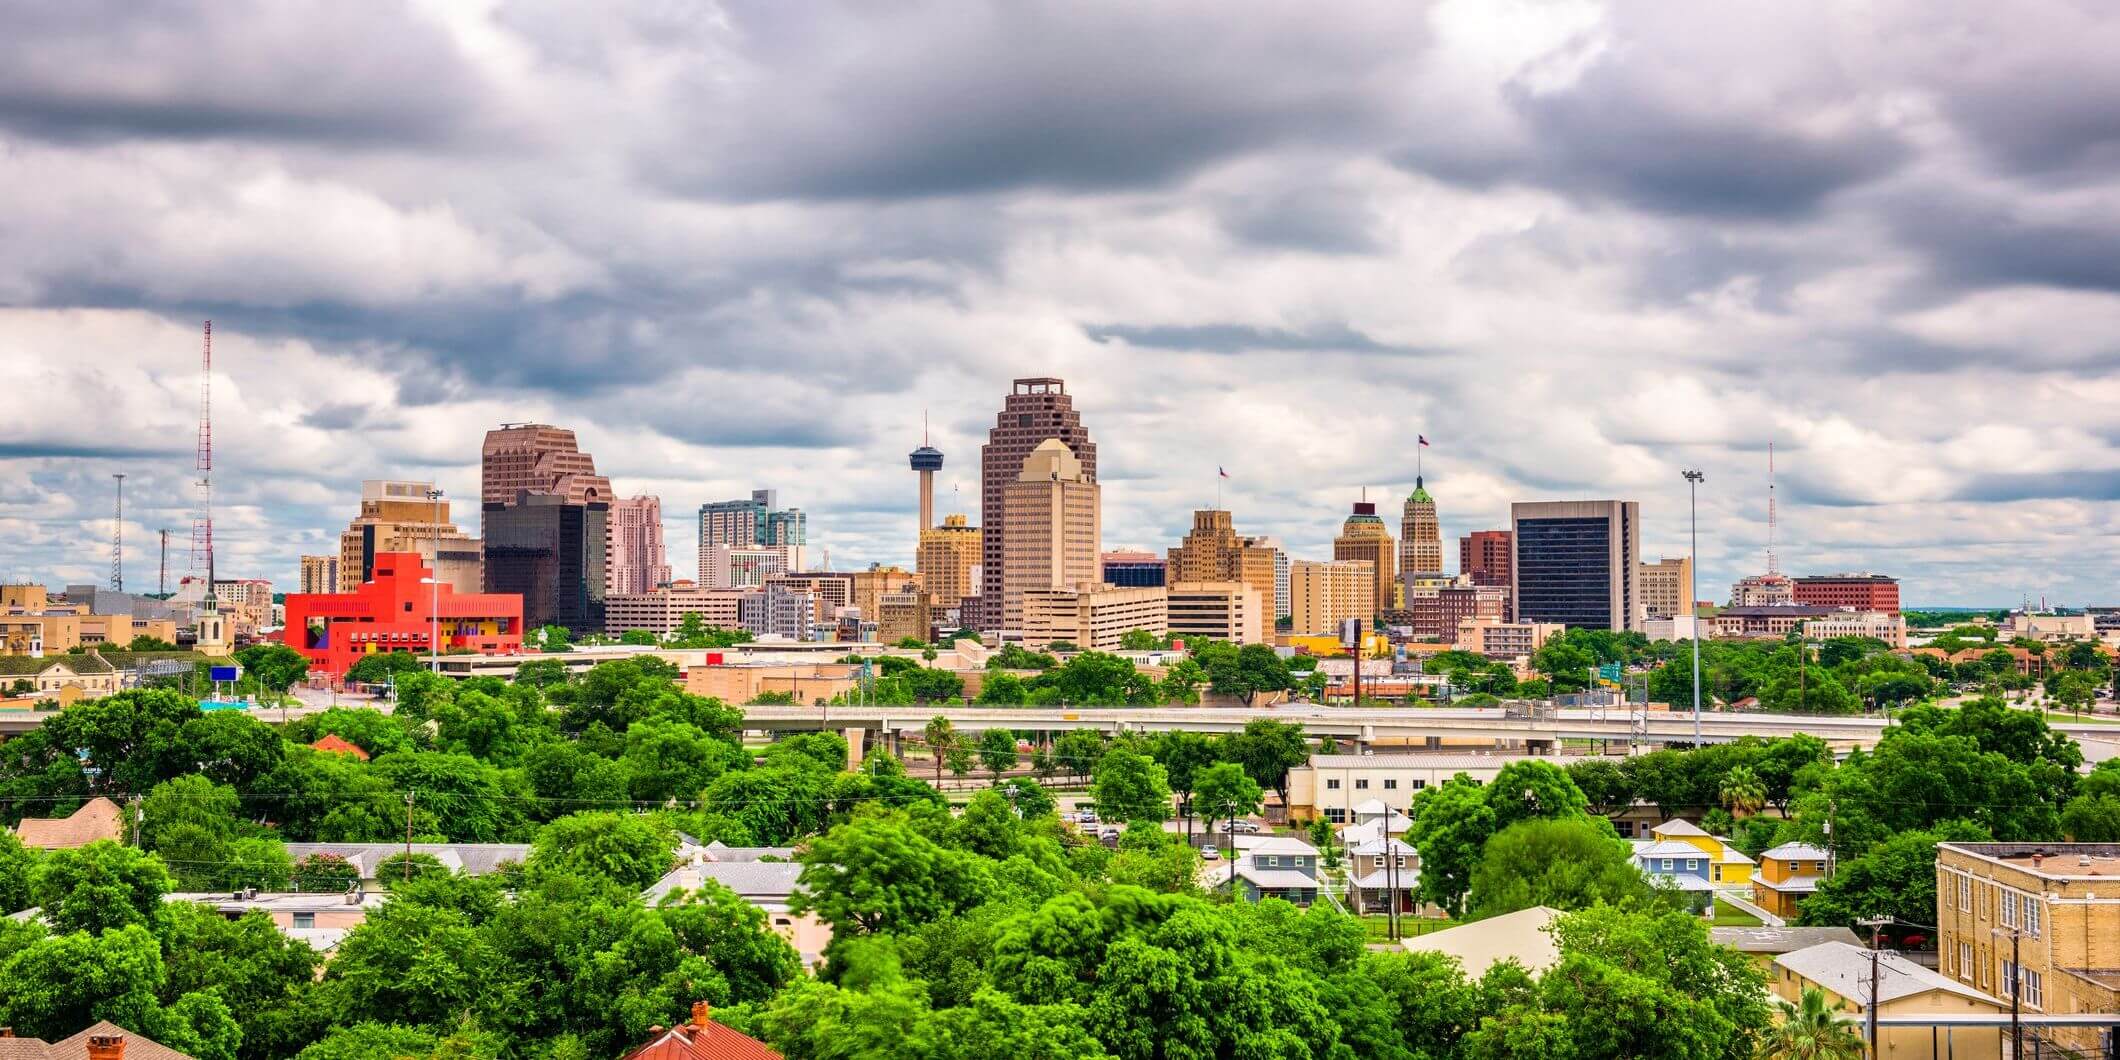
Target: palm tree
pixel 1742 791
pixel 941 740
pixel 1811 1030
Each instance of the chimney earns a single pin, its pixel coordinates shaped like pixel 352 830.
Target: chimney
pixel 7 1032
pixel 106 1047
pixel 2036 859
pixel 702 1013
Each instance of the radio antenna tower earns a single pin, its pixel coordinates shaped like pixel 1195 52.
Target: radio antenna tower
pixel 162 575
pixel 1773 566
pixel 202 524
pixel 117 539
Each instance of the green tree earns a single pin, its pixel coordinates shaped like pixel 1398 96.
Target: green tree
pixel 99 888
pixel 997 752
pixel 1226 792
pixel 1528 789
pixel 1812 1029
pixel 1002 689
pixel 551 638
pixel 1742 792
pixel 1267 750
pixel 1569 863
pixel 1896 878
pixel 61 983
pixel 667 760
pixel 324 873
pixel 941 738
pixel 876 874
pixel 1451 824
pixel 1130 786
pixel 408 963
pixel 1152 858
pixel 1183 755
pixel 1247 673
pixel 1029 798
pixel 377 669
pixel 276 667
pixel 628 849
pixel 18 867
pixel 1079 750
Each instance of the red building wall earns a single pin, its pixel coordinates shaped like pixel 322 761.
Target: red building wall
pixel 392 612
pixel 1860 593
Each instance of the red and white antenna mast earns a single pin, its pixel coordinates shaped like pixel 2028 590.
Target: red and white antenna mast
pixel 1773 566
pixel 202 523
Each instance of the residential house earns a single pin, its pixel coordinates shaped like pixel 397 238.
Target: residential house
pixel 1381 872
pixel 1903 988
pixel 1726 865
pixel 319 919
pixel 89 673
pixel 769 885
pixel 463 859
pixel 1677 865
pixel 98 818
pixel 102 1040
pixel 701 1039
pixel 333 743
pixel 1787 875
pixel 1525 936
pixel 1268 867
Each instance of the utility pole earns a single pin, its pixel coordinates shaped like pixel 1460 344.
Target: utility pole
pixel 1693 481
pixel 434 604
pixel 162 576
pixel 1869 1009
pixel 2015 981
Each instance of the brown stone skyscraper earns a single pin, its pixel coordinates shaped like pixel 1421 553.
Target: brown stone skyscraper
pixel 1036 410
pixel 1052 527
pixel 1364 537
pixel 1420 535
pixel 540 458
pixel 1213 552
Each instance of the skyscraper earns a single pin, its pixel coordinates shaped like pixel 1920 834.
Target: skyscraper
pixel 1667 587
pixel 1051 528
pixel 1321 595
pixel 949 562
pixel 546 519
pixel 1213 552
pixel 758 522
pixel 926 460
pixel 400 516
pixel 1420 535
pixel 633 550
pixel 1036 410
pixel 1483 555
pixel 1364 537
pixel 320 574
pixel 1577 563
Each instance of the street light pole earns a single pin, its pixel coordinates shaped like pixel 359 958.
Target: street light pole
pixel 434 583
pixel 1693 481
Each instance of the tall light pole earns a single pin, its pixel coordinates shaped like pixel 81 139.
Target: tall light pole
pixel 434 588
pixel 1693 481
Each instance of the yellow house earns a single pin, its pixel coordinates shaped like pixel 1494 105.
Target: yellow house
pixel 1904 988
pixel 1727 866
pixel 1788 874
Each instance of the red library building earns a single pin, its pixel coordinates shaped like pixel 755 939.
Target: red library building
pixel 393 611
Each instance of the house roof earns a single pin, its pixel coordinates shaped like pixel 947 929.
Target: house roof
pixel 1845 970
pixel 1376 847
pixel 1679 882
pixel 468 859
pixel 1779 939
pixel 1381 879
pixel 767 881
pixel 1794 852
pixel 333 743
pixel 1282 845
pixel 98 818
pixel 1789 885
pixel 719 851
pixel 1671 848
pixel 1679 826
pixel 1372 807
pixel 1525 935
pixel 1265 879
pixel 707 1040
pixel 137 1046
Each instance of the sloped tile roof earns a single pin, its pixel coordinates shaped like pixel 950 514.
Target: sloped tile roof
pixel 99 818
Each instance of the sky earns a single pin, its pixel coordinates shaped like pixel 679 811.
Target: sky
pixel 1579 246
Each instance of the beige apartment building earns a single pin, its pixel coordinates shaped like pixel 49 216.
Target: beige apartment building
pixel 661 611
pixel 1213 552
pixel 742 683
pixel 949 561
pixel 1227 610
pixel 867 588
pixel 2056 906
pixel 59 631
pixel 1891 629
pixel 1364 537
pixel 1667 587
pixel 1051 525
pixel 904 615
pixel 398 516
pixel 1331 786
pixel 320 574
pixel 1091 616
pixel 1496 639
pixel 1321 595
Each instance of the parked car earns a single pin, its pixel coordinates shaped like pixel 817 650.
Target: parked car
pixel 1087 817
pixel 1210 853
pixel 1111 831
pixel 1246 827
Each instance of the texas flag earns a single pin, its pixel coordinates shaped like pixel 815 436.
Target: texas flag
pixel 1224 474
pixel 1423 438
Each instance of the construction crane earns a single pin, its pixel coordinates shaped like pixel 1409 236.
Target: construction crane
pixel 117 538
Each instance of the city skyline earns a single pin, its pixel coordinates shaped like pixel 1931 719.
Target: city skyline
pixel 742 251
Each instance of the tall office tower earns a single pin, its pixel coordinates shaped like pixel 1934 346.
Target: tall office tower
pixel 1036 410
pixel 1667 588
pixel 1363 536
pixel 633 552
pixel 755 523
pixel 1282 602
pixel 926 460
pixel 1051 526
pixel 1420 535
pixel 1483 555
pixel 1322 595
pixel 949 562
pixel 320 574
pixel 550 550
pixel 401 516
pixel 1213 552
pixel 539 458
pixel 1577 563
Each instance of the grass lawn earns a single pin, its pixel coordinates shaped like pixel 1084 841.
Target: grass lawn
pixel 1409 925
pixel 2088 719
pixel 1727 915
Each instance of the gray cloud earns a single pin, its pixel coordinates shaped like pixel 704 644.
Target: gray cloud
pixel 1243 338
